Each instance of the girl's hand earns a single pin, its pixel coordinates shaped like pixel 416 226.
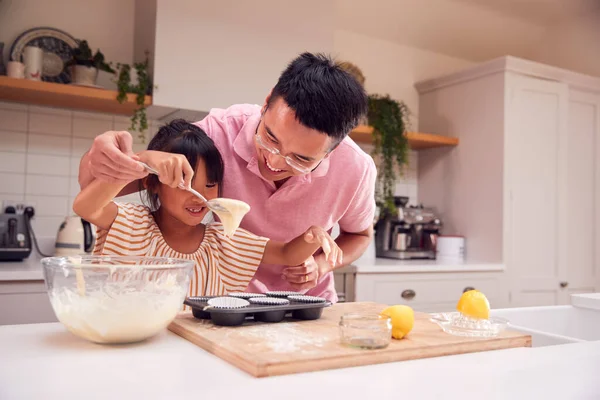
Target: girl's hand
pixel 333 254
pixel 173 169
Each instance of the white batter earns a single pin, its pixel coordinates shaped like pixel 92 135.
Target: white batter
pixel 231 220
pixel 117 316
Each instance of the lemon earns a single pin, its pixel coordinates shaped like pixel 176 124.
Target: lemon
pixel 474 304
pixel 403 319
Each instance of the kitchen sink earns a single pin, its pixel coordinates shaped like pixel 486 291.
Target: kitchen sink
pixel 554 325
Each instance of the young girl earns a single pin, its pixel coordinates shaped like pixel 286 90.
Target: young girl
pixel 171 225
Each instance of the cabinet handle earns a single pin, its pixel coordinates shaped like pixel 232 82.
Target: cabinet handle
pixel 468 288
pixel 564 284
pixel 408 294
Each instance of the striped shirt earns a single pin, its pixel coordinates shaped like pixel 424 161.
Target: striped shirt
pixel 223 264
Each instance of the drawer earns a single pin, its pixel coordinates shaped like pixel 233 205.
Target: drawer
pixel 397 289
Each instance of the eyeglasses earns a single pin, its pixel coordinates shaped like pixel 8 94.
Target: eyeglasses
pixel 303 169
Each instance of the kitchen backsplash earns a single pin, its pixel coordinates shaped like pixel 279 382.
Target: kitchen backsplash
pixel 40 149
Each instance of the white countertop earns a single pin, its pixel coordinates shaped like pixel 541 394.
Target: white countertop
pixel 45 361
pixel 386 265
pixel 29 269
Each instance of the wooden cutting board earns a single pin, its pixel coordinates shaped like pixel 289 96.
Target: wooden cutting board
pixel 268 349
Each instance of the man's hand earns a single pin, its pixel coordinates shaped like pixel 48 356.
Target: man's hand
pixel 307 275
pixel 111 158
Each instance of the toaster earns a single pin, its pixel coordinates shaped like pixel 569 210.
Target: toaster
pixel 15 237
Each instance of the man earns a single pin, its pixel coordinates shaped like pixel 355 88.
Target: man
pixel 290 160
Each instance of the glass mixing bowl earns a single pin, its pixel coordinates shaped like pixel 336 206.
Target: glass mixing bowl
pixel 114 299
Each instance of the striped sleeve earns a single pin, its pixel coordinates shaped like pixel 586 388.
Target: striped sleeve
pixel 130 233
pixel 236 258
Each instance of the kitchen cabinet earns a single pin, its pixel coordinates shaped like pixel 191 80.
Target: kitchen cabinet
pixel 206 54
pixel 426 292
pixel 524 185
pixel 25 302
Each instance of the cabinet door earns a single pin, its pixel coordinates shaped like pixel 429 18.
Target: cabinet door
pixel 583 193
pixel 535 173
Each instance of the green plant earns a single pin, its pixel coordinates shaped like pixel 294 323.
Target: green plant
pixel 139 119
pixel 82 55
pixel 390 121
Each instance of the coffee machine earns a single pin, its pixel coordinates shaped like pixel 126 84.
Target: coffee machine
pixel 409 234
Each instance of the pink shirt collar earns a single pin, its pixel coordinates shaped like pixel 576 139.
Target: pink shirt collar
pixel 245 148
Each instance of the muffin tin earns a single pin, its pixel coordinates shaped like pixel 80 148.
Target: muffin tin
pixel 297 307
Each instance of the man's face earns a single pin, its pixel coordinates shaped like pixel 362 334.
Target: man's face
pixel 280 130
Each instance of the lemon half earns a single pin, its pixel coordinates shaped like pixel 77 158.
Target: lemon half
pixel 403 319
pixel 474 304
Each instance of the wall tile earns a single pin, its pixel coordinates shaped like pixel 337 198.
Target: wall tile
pixel 10 197
pixel 92 115
pixel 53 124
pixel 46 226
pixel 73 186
pixel 74 168
pixel 90 127
pixel 47 185
pixel 11 182
pixel 48 144
pixel 51 110
pixel 49 206
pixel 12 162
pixel 13 141
pixel 80 146
pixel 11 120
pixel 48 165
pixel 13 106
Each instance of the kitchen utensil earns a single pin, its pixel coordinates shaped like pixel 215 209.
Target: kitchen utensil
pixel 457 324
pixel 365 331
pixel 75 236
pixel 211 204
pixel 264 309
pixel 306 346
pixel 127 299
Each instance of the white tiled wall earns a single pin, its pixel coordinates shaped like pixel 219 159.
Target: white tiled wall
pixel 40 149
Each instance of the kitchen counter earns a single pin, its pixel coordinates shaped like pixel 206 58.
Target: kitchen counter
pixel 29 269
pixel 169 367
pixel 385 265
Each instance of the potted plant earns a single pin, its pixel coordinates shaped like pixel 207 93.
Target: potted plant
pixel 390 121
pixel 135 80
pixel 85 66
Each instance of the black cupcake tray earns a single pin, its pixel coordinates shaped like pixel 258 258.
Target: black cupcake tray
pixel 296 306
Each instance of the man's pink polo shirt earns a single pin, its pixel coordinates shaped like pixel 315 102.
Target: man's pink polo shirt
pixel 340 190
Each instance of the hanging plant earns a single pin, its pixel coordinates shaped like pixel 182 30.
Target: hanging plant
pixel 390 121
pixel 139 119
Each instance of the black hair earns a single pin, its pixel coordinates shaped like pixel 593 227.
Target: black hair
pixel 182 137
pixel 322 94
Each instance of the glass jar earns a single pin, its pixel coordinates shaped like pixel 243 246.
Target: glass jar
pixel 365 331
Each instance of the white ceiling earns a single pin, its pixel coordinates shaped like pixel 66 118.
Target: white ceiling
pixel 476 30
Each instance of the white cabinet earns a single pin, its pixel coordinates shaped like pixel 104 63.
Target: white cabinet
pixel 209 54
pixel 524 184
pixel 425 292
pixel 25 302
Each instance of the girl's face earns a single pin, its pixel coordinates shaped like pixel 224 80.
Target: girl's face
pixel 183 205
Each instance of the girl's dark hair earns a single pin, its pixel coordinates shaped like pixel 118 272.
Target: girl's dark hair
pixel 182 137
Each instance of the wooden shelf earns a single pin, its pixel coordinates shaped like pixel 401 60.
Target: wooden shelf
pixel 66 96
pixel 416 140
